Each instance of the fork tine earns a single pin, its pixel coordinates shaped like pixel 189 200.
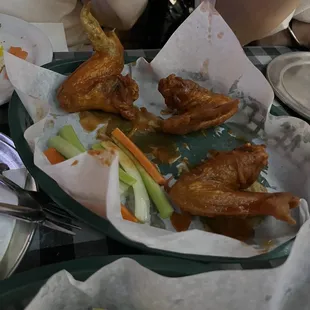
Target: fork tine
pixel 24 198
pixel 54 226
pixel 57 220
pixel 52 216
pixel 55 212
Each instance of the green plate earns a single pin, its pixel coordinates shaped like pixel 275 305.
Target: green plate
pixel 19 121
pixel 17 292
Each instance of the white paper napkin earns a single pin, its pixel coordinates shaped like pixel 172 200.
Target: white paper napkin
pixel 125 285
pixel 56 33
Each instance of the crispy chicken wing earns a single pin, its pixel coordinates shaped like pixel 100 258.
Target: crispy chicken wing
pixel 196 107
pixel 215 187
pixel 98 84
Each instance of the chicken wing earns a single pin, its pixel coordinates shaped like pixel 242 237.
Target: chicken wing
pixel 196 107
pixel 98 84
pixel 215 187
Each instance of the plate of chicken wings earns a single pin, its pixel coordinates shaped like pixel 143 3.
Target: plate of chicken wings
pixel 171 163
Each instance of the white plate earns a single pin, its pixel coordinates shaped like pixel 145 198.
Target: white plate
pixel 16 32
pixel 289 76
pixel 7 224
pixel 15 236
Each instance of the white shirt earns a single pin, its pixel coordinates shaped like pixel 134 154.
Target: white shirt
pixel 53 11
pixel 121 14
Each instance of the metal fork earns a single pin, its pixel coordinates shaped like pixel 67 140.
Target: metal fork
pixel 30 209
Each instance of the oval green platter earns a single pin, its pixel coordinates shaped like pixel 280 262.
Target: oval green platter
pixel 17 291
pixel 19 121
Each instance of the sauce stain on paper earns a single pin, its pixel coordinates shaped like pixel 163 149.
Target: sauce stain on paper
pixel 205 67
pixel 204 7
pixel 220 35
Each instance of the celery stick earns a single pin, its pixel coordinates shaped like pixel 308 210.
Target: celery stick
pixel 123 176
pixel 123 188
pixel 97 146
pixel 67 132
pixel 123 191
pixel 63 147
pixel 157 194
pixel 142 200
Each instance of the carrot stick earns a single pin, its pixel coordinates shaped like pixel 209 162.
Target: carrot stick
pixel 136 152
pixel 127 215
pixel 18 52
pixel 53 156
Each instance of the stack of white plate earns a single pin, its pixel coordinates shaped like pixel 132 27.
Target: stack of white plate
pixel 15 236
pixel 18 33
pixel 289 76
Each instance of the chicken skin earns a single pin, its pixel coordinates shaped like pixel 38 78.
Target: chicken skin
pixel 196 107
pixel 215 187
pixel 98 84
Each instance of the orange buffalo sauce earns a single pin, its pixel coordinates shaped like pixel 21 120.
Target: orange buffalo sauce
pixel 181 221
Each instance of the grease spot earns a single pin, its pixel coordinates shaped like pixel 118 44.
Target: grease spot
pixel 268 297
pixel 49 124
pixel 101 155
pixel 204 6
pixel 205 67
pixel 288 291
pixel 95 152
pixel 39 111
pixel 107 162
pixel 220 35
pixel 179 301
pixel 75 163
pixel 306 137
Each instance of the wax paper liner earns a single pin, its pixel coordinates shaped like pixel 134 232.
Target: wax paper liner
pixel 126 285
pixel 205 50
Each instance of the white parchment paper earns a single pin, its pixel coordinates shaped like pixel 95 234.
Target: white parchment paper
pixel 126 285
pixel 205 50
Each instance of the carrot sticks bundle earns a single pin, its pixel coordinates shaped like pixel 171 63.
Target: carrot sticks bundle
pixel 138 154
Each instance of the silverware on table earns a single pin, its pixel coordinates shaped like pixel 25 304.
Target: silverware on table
pixel 30 183
pixel 23 232
pixel 29 209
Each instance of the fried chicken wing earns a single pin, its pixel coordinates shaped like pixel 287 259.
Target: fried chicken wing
pixel 215 187
pixel 196 107
pixel 98 84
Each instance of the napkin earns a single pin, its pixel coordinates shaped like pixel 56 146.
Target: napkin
pixel 56 33
pixel 125 285
pixel 203 49
pixel 7 224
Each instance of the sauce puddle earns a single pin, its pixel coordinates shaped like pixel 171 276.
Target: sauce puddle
pixel 142 132
pixel 161 146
